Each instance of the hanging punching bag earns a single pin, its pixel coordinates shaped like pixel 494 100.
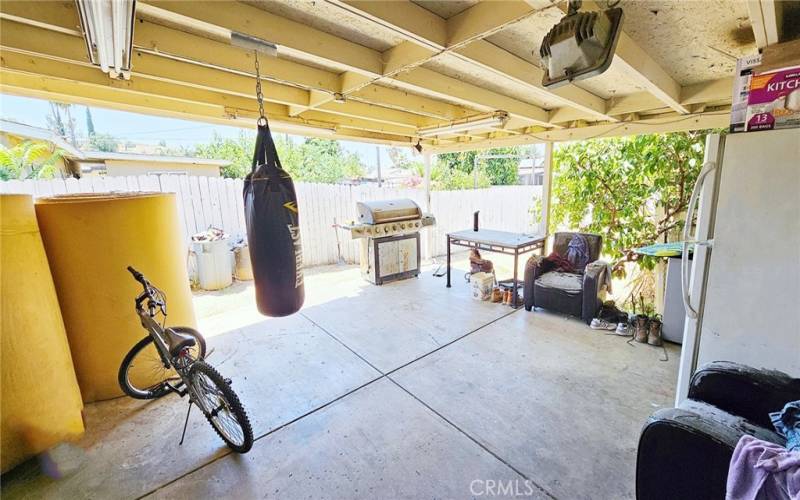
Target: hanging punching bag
pixel 273 231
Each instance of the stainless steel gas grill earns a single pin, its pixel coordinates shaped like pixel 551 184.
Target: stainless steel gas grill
pixel 389 237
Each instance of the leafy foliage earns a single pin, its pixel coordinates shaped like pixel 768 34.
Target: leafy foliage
pixel 313 160
pixel 103 142
pixel 498 171
pixel 631 190
pixel 29 160
pixel 89 123
pixel 444 177
pixel 319 160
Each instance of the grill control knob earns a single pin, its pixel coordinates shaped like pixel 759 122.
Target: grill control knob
pixel 386 229
pixel 394 227
pixel 402 226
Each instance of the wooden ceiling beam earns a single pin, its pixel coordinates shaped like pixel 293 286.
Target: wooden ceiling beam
pixel 668 122
pixel 34 76
pixel 642 68
pixel 464 39
pixel 309 42
pixel 766 18
pixel 171 43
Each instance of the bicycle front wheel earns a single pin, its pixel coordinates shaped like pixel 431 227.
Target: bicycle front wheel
pixel 221 406
pixel 142 374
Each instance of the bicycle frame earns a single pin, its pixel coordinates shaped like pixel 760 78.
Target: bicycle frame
pixel 156 331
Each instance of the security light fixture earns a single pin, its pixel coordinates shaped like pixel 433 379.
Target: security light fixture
pixel 490 120
pixel 580 46
pixel 108 31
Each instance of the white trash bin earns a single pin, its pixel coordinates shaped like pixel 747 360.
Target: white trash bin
pixel 213 264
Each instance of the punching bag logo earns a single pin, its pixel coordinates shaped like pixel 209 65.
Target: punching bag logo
pixel 291 205
pixel 294 231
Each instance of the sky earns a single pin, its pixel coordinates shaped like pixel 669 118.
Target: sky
pixel 148 129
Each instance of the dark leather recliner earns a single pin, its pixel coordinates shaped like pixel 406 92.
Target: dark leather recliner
pixel 575 294
pixel 685 452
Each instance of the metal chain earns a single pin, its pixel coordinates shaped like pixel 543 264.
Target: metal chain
pixel 262 118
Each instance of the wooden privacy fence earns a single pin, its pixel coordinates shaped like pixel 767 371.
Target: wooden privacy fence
pixel 210 201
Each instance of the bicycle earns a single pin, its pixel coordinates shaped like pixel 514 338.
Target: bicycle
pixel 173 360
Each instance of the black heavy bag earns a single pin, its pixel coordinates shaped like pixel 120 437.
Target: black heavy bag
pixel 273 231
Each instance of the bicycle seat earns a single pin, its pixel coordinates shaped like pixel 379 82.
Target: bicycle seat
pixel 176 342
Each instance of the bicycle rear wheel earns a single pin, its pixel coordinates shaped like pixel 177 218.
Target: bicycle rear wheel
pixel 142 373
pixel 221 406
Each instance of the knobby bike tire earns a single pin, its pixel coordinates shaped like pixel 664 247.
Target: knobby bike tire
pixel 234 404
pixel 159 390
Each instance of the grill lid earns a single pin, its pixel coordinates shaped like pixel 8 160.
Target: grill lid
pixel 377 212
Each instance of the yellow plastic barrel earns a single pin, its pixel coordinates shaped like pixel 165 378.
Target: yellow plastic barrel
pixel 41 402
pixel 90 240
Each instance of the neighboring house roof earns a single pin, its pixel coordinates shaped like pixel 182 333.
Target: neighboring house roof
pixel 41 134
pixel 103 156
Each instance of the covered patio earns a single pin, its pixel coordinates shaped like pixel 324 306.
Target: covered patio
pixel 409 389
pixel 399 391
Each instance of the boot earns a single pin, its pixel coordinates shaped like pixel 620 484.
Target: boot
pixel 640 329
pixel 654 332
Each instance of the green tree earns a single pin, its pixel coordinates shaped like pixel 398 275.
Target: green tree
pixel 103 142
pixel 631 190
pixel 321 160
pixel 29 160
pixel 89 123
pixel 313 160
pixel 499 171
pixel 238 151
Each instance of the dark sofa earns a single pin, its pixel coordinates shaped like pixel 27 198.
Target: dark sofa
pixel 685 452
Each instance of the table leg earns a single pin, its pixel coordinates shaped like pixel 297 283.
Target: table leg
pixel 448 261
pixel 514 287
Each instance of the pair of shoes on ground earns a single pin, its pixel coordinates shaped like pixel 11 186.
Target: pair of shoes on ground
pixel 618 328
pixel 647 329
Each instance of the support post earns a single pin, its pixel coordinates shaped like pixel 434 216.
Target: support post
pixel 429 237
pixel 548 170
pixel 426 161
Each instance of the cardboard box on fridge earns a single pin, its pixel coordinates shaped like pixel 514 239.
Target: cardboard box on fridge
pixel 773 101
pixel 741 89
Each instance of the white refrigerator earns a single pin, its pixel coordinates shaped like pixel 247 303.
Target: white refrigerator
pixel 741 291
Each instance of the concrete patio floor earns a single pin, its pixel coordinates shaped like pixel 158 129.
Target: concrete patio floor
pixel 408 390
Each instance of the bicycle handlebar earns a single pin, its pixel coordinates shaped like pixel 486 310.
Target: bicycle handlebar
pixel 148 293
pixel 136 274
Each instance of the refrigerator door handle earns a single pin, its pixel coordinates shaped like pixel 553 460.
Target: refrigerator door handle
pixel 708 167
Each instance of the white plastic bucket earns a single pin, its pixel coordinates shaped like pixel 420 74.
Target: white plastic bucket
pixel 213 264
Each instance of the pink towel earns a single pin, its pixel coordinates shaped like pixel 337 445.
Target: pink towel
pixel 763 470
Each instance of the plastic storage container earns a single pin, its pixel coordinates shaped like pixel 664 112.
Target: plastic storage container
pixel 213 264
pixel 243 269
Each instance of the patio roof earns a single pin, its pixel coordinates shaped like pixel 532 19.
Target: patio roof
pixel 397 66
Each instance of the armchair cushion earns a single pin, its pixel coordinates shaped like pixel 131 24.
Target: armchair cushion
pixel 570 283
